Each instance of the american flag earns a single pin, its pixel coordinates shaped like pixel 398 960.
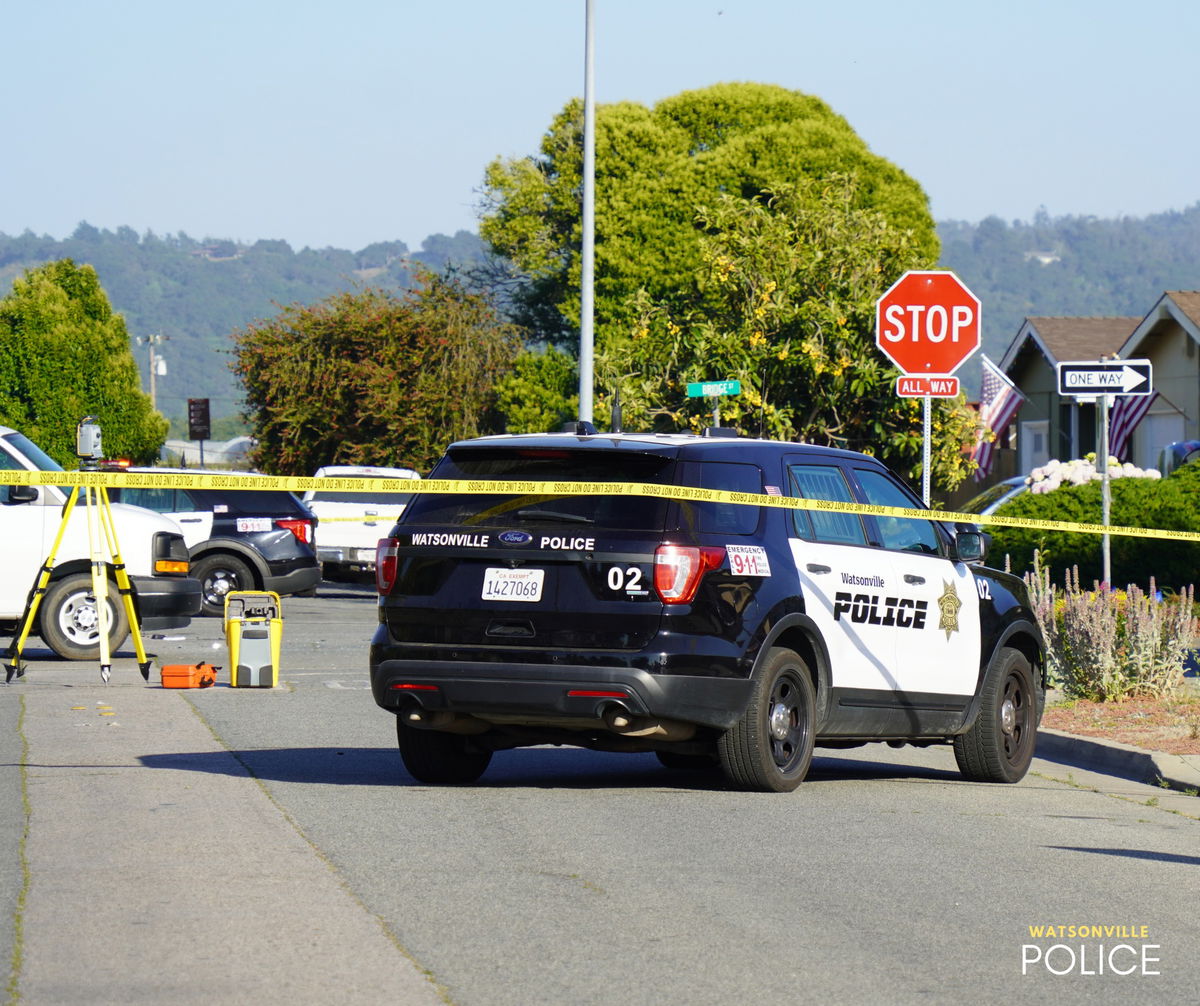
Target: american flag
pixel 1123 418
pixel 999 400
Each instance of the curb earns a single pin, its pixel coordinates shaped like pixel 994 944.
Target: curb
pixel 1180 772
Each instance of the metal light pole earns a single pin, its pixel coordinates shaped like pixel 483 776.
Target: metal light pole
pixel 587 265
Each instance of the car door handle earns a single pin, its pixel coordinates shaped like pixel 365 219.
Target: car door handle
pixel 191 520
pixel 913 578
pixel 816 568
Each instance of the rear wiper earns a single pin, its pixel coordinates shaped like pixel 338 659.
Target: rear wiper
pixel 554 515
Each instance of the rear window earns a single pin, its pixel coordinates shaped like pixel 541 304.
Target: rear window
pixel 252 502
pixel 341 496
pixel 636 513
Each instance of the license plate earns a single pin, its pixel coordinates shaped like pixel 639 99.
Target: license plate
pixel 512 584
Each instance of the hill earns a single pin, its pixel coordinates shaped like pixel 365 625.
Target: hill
pixel 1082 266
pixel 198 292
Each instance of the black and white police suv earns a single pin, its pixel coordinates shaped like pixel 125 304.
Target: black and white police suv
pixel 710 633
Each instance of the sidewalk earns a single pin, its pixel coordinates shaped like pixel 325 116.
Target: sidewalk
pixel 228 903
pixel 1107 757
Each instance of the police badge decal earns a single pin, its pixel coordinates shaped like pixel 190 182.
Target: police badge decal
pixel 949 604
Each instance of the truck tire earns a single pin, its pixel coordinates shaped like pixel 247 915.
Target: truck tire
pixel 999 745
pixel 439 759
pixel 771 747
pixel 219 575
pixel 69 620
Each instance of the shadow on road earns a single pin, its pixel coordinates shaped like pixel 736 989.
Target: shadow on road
pixel 567 768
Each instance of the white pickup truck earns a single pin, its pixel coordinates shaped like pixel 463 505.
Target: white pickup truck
pixel 153 550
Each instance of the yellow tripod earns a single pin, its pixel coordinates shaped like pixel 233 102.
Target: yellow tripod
pixel 101 531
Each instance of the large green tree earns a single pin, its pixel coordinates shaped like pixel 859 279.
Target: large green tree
pixel 654 168
pixel 785 304
pixel 65 354
pixel 372 377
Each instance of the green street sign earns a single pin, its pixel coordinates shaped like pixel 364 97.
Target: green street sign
pixel 709 389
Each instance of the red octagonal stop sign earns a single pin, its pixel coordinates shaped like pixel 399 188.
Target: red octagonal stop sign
pixel 927 323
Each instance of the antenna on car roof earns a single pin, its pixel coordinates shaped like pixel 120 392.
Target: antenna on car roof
pixel 615 422
pixel 580 428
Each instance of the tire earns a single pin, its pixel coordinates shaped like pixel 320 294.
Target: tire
pixel 439 759
pixel 999 745
pixel 218 576
pixel 770 748
pixel 69 622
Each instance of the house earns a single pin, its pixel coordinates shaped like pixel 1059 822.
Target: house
pixel 1168 337
pixel 1049 425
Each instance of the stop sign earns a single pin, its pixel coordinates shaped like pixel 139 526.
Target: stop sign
pixel 927 323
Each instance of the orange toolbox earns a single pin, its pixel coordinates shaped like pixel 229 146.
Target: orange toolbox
pixel 199 675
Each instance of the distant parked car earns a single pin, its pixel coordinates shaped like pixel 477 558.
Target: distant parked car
pixel 352 522
pixel 238 539
pixel 994 496
pixel 1177 454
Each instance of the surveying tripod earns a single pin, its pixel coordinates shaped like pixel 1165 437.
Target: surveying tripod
pixel 101 531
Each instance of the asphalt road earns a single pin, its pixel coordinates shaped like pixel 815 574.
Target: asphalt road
pixel 238 845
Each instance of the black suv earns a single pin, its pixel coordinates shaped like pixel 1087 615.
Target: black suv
pixel 238 539
pixel 712 633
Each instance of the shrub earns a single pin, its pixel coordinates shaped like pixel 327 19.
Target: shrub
pixel 1107 645
pixel 1169 503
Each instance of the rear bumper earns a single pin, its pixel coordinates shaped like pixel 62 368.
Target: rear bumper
pixel 294 582
pixel 166 602
pixel 554 691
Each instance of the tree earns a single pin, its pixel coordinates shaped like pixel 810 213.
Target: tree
pixel 370 377
pixel 784 302
pixel 654 168
pixel 541 393
pixel 64 354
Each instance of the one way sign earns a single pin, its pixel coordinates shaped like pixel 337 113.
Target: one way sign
pixel 1105 377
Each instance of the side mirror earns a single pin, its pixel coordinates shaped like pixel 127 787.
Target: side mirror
pixel 970 543
pixel 21 494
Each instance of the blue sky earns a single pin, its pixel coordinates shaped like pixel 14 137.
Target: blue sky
pixel 343 123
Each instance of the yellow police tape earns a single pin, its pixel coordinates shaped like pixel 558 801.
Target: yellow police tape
pixel 301 483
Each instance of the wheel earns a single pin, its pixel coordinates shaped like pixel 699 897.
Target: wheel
pixel 70 620
pixel 218 575
pixel 438 758
pixel 770 748
pixel 999 745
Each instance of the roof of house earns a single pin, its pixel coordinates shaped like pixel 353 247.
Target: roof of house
pixel 1073 338
pixel 1179 306
pixel 1188 302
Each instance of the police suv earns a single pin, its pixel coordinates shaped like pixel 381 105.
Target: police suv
pixel 712 633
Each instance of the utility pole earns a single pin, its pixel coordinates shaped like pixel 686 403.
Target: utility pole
pixel 157 364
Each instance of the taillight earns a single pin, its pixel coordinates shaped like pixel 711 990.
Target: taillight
pixel 679 568
pixel 302 529
pixel 385 564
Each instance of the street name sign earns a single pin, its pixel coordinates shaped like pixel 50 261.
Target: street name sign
pixel 927 322
pixel 1105 377
pixel 710 389
pixel 920 385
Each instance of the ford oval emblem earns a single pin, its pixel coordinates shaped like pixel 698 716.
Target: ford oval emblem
pixel 515 537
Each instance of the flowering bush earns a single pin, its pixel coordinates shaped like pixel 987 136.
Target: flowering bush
pixel 1054 474
pixel 1106 645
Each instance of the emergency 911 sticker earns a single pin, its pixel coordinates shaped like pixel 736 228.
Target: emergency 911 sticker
pixel 748 560
pixel 254 524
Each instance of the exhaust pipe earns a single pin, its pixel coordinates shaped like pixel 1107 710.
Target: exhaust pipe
pixel 621 721
pixel 444 720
